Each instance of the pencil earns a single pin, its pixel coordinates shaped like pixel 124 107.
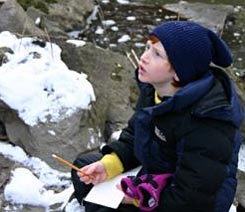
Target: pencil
pixel 67 163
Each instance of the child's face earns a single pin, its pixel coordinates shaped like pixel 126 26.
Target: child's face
pixel 154 66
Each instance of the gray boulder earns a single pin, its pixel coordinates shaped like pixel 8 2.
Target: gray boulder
pixel 70 14
pixel 211 16
pixel 14 19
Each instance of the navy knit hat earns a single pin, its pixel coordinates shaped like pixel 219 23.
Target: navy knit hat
pixel 191 48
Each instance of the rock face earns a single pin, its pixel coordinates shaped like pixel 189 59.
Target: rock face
pixel 203 13
pixel 74 11
pixel 240 195
pixel 14 19
pixel 66 137
pixel 113 80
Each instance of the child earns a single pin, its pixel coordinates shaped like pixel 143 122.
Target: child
pixel 185 132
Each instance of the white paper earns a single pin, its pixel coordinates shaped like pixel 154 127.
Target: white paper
pixel 107 193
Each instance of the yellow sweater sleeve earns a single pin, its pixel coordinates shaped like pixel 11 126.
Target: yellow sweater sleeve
pixel 112 164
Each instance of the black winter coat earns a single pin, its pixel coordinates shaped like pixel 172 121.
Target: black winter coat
pixel 194 135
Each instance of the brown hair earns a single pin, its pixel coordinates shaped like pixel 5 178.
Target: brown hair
pixel 154 39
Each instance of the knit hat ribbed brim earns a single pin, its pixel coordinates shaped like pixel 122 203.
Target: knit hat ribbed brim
pixel 191 48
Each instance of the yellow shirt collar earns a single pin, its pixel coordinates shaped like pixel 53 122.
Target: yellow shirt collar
pixel 156 98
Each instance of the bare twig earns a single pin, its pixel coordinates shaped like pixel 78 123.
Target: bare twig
pixel 51 46
pixel 135 56
pixel 131 60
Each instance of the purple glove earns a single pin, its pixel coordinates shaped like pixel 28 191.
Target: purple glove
pixel 149 192
pixel 129 185
pixel 146 189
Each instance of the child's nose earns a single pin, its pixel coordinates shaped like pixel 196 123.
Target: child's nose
pixel 145 56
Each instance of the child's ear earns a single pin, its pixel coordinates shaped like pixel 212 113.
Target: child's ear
pixel 176 78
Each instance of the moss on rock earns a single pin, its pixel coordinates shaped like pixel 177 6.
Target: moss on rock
pixel 40 5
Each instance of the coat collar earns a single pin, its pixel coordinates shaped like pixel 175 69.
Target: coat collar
pixel 213 96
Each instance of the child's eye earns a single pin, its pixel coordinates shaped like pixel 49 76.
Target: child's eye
pixel 147 46
pixel 158 54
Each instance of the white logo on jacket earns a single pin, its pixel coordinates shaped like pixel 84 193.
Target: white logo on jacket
pixel 160 134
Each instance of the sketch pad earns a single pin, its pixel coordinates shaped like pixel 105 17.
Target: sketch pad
pixel 106 193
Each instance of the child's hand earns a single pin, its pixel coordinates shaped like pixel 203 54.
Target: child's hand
pixel 126 199
pixel 94 173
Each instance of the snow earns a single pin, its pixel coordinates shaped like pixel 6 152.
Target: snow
pixel 33 188
pixel 114 28
pixel 36 83
pixel 123 2
pixel 131 18
pixel 77 43
pixel 99 30
pixel 241 161
pixel 124 39
pixel 30 184
pixel 105 1
pixel 232 209
pixel 108 22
